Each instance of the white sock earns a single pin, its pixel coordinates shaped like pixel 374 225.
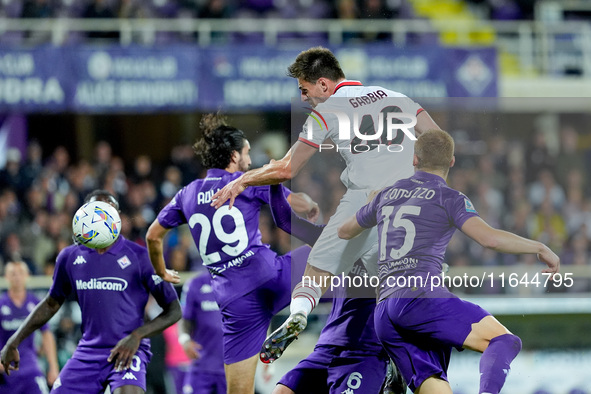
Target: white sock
pixel 304 298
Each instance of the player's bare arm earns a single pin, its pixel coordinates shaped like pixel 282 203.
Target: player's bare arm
pixel 50 350
pixel 424 123
pixel 190 347
pixel 275 172
pixel 350 228
pixel 38 317
pixel 506 242
pixel 155 243
pixel 126 348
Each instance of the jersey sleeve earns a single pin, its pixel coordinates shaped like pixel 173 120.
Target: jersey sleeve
pixel 367 215
pixel 172 214
pixel 317 127
pixel 262 193
pixel 61 286
pixel 459 209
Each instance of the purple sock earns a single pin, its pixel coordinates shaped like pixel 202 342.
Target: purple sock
pixel 495 362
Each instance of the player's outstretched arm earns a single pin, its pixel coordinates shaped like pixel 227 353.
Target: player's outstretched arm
pixel 350 228
pixel 275 172
pixel 37 318
pixel 506 242
pixel 424 123
pixel 155 242
pixel 126 348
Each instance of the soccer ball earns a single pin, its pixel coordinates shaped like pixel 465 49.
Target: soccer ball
pixel 96 225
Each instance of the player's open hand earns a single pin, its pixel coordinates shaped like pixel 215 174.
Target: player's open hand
pixel 551 260
pixel 122 354
pixel 191 349
pixel 171 276
pixel 10 358
pixel 228 192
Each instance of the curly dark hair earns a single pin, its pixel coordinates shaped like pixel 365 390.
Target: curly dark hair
pixel 219 141
pixel 315 63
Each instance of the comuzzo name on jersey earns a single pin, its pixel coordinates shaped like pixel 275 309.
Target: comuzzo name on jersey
pixel 367 99
pixel 419 192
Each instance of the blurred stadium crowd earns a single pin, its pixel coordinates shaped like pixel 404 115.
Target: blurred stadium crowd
pixel 345 9
pixel 340 9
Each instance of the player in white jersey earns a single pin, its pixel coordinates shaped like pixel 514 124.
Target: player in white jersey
pixel 346 112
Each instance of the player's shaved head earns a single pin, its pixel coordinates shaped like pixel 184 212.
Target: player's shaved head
pixel 315 63
pixel 434 150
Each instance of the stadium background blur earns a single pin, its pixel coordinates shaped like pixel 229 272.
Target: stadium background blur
pixel 522 155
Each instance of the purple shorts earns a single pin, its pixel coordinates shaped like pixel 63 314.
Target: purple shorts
pixel 204 383
pixel 29 380
pixel 419 333
pixel 336 370
pixel 245 320
pixel 96 375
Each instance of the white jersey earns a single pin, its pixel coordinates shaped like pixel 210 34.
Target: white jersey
pixel 355 113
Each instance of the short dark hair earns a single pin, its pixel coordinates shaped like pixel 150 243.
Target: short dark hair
pixel 219 141
pixel 315 63
pixel 95 194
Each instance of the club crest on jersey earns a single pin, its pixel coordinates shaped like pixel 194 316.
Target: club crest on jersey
pixel 124 262
pixel 469 206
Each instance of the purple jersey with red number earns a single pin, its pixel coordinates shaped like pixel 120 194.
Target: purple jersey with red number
pixel 201 308
pixel 112 289
pixel 11 318
pixel 229 240
pixel 416 218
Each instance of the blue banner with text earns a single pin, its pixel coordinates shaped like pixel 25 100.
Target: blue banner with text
pixel 115 79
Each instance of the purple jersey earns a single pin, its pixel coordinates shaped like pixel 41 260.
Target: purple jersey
pixel 416 218
pixel 112 289
pixel 201 308
pixel 11 318
pixel 229 240
pixel 350 323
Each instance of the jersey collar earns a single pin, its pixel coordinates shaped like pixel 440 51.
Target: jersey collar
pixel 346 83
pixel 116 247
pixel 216 172
pixel 426 176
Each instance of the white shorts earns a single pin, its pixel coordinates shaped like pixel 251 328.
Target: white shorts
pixel 336 255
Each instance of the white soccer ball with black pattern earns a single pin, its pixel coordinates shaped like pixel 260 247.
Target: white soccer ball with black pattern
pixel 96 224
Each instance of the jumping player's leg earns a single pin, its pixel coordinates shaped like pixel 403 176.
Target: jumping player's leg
pixel 498 347
pixel 330 256
pixel 240 376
